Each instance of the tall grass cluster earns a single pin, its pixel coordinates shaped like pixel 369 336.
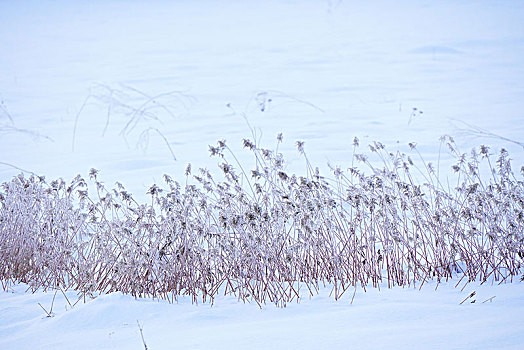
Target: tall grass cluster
pixel 268 236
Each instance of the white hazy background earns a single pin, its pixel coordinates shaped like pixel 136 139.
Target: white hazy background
pixel 332 70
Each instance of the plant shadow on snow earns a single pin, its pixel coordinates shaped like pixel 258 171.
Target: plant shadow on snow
pixel 139 114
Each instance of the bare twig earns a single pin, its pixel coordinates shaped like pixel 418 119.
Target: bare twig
pixel 468 297
pixel 141 334
pixel 489 299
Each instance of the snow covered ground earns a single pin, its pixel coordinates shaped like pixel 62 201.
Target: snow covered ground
pixel 74 74
pixel 332 69
pixel 398 319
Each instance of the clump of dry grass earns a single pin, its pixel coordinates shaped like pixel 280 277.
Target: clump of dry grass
pixel 266 235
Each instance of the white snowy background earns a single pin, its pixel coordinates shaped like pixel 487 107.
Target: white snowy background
pixel 317 71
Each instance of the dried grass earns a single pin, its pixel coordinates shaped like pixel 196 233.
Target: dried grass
pixel 267 236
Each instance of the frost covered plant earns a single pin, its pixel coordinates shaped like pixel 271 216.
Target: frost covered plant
pixel 266 235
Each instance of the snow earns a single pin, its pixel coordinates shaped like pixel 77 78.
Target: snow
pixel 332 70
pixel 364 65
pixel 397 318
